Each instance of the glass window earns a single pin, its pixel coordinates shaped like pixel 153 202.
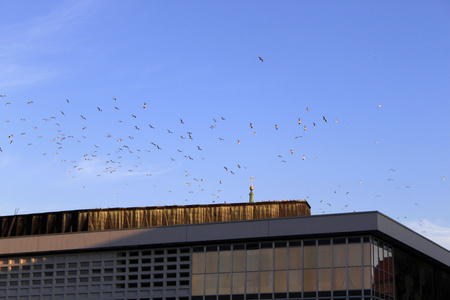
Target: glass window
pixel 324 256
pixel 354 254
pixel 339 255
pixel 211 284
pixel 211 262
pixel 295 258
pixel 390 285
pixel 238 283
pixel 252 260
pixel 295 280
pixel 280 258
pixel 309 257
pixel 339 279
pixel 252 282
pixel 354 278
pixel 324 279
pixel 309 280
pixel 198 262
pixel 238 260
pixel 280 281
pixel 266 282
pixel 224 261
pixel 225 284
pixel 367 278
pixel 366 254
pixel 197 285
pixel 374 255
pixel 266 259
pixel 380 253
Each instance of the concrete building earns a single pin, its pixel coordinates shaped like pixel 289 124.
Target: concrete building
pixel 262 250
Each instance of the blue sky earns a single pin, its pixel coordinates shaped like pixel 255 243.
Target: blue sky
pixel 76 74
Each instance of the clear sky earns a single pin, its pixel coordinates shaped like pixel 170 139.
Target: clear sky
pixel 75 75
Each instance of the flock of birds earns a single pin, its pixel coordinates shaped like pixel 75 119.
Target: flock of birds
pixel 122 146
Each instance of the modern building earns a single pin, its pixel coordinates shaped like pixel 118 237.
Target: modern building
pixel 262 250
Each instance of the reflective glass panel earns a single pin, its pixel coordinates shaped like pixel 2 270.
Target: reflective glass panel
pixel 324 256
pixel 266 259
pixel 374 255
pixel 390 289
pixel 210 284
pixel 339 279
pixel 366 254
pixel 266 281
pixel 280 258
pixel 238 260
pixel 354 278
pixel 295 258
pixel 309 280
pixel 280 281
pixel 380 254
pixel 252 282
pixel 224 261
pixel 354 254
pixel 211 262
pixel 252 260
pixel 339 255
pixel 238 283
pixel 367 278
pixel 225 284
pixel 324 279
pixel 198 262
pixel 197 285
pixel 295 280
pixel 309 256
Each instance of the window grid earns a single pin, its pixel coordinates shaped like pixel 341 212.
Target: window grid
pixel 316 275
pixel 128 274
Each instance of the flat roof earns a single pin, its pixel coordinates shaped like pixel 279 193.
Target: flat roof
pixel 360 223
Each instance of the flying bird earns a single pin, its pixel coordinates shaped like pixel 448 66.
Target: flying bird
pixel 262 60
pixel 145 104
pixel 325 119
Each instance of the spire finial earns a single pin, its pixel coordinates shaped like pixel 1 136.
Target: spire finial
pixel 251 190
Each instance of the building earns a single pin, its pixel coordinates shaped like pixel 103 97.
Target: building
pixel 262 250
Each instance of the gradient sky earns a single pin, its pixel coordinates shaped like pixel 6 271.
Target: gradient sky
pixel 377 71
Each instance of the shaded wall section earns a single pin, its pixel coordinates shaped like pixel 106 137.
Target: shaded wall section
pixel 416 279
pixel 138 217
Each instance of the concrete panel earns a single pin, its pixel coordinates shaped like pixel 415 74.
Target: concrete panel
pixel 19 245
pixel 74 241
pixel 148 236
pixel 227 231
pixel 339 223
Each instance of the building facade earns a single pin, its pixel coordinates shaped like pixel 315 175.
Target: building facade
pixel 343 256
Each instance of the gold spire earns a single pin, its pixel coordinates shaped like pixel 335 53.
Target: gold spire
pixel 251 190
